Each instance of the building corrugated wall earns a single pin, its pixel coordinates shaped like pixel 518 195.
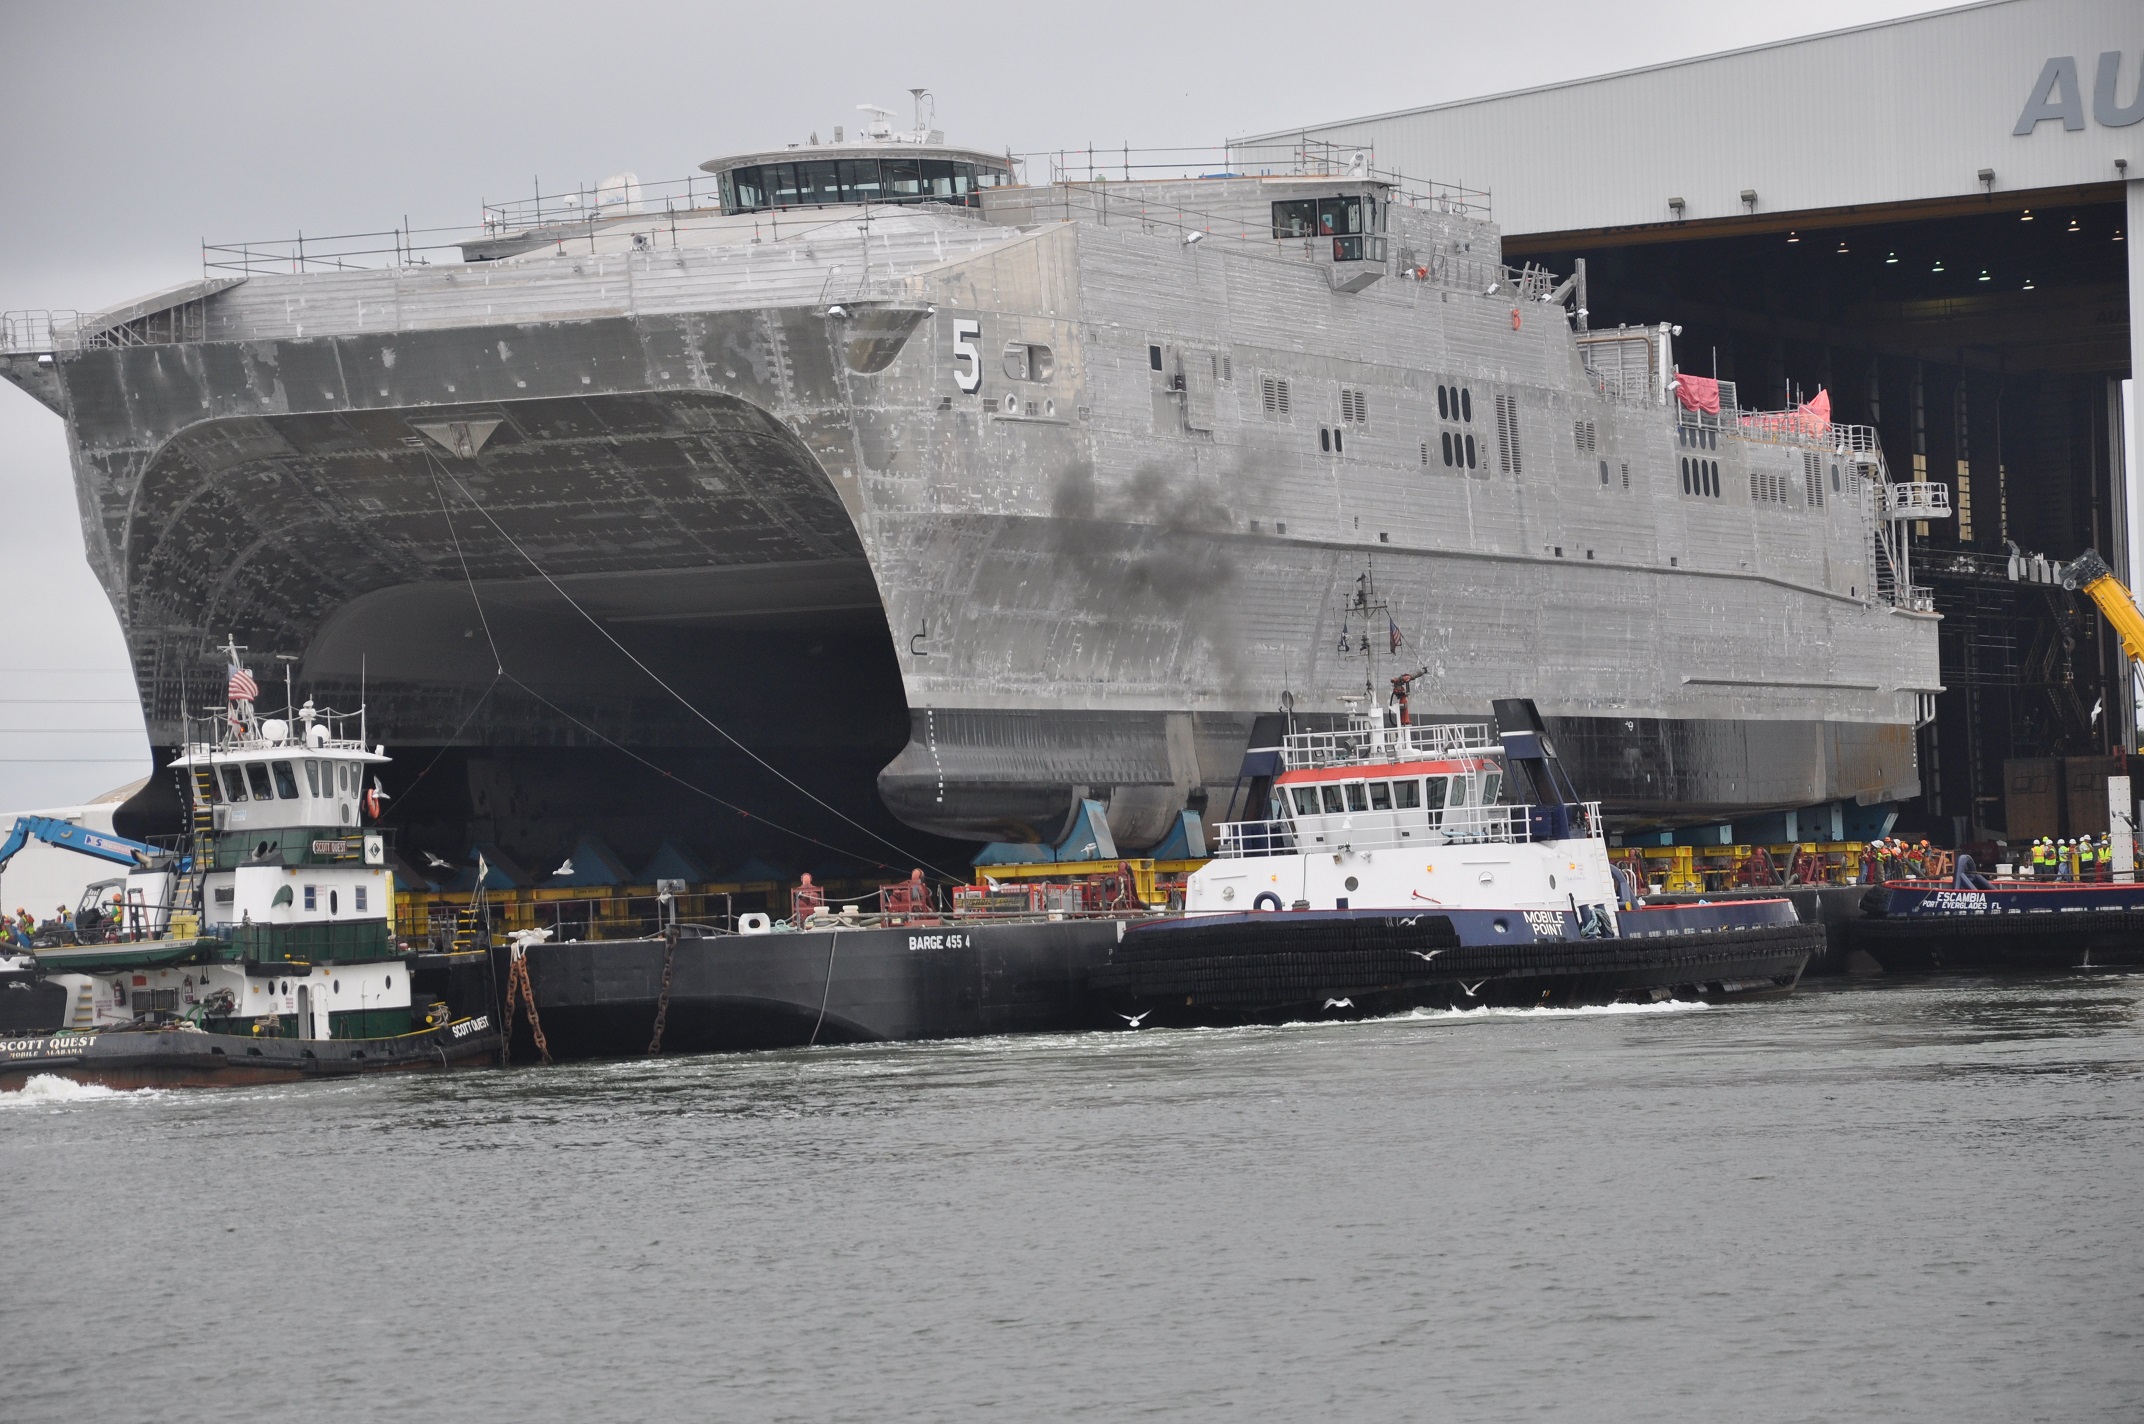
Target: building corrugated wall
pixel 1895 112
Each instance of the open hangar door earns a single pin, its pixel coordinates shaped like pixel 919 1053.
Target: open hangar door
pixel 1986 339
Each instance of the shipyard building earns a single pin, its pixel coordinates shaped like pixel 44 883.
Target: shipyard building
pixel 1934 221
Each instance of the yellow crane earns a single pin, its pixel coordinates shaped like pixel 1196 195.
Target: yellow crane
pixel 2088 574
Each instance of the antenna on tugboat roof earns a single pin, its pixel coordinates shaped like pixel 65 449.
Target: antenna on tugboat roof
pixel 289 700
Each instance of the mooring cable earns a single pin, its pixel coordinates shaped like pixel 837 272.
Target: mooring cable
pixel 651 674
pixel 827 992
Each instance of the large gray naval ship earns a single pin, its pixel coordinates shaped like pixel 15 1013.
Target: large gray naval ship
pixel 971 493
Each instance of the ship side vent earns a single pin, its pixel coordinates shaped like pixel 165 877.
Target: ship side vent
pixel 1507 434
pixel 1354 406
pixel 1273 395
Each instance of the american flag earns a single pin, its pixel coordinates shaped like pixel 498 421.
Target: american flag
pixel 243 687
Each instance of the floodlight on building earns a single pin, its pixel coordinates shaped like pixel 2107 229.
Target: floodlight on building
pixel 1987 178
pixel 2025 216
pixel 1749 199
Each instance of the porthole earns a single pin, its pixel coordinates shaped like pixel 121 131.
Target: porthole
pixel 1353 884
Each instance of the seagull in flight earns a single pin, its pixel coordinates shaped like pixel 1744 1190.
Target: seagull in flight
pixel 1474 990
pixel 1430 957
pixel 1135 1019
pixel 566 869
pixel 1339 1003
pixel 433 860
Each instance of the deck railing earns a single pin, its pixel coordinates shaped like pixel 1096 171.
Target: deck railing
pixel 1419 741
pixel 1407 830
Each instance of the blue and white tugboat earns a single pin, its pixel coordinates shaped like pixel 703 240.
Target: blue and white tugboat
pixel 265 950
pixel 1398 873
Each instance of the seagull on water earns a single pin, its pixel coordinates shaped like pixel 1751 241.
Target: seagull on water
pixel 1339 1003
pixel 1474 989
pixel 1135 1019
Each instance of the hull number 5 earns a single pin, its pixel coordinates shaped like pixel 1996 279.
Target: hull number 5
pixel 967 360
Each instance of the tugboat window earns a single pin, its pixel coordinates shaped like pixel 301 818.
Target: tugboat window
pixel 234 784
pixel 1458 792
pixel 1492 788
pixel 1333 804
pixel 1380 796
pixel 286 781
pixel 1406 795
pixel 312 778
pixel 257 778
pixel 1306 800
pixel 309 898
pixel 1357 799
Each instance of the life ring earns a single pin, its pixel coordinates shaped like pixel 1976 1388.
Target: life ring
pixel 1263 897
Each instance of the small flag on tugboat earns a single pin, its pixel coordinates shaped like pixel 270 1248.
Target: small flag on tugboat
pixel 1392 631
pixel 243 687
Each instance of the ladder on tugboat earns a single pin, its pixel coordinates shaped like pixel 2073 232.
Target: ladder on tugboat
pixel 200 841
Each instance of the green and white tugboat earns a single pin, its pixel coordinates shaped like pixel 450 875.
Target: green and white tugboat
pixel 264 949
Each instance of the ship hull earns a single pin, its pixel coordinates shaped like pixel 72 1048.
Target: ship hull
pixel 733 993
pixel 182 1058
pixel 1321 965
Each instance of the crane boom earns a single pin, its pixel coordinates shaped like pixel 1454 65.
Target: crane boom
pixel 2088 574
pixel 68 836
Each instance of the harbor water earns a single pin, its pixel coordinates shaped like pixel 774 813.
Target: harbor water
pixel 1907 1200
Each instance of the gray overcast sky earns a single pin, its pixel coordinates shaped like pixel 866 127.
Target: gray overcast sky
pixel 137 130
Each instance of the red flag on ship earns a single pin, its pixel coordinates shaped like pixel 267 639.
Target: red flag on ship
pixel 243 687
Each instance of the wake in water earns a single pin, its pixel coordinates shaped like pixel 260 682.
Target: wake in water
pixel 47 1089
pixel 1486 1011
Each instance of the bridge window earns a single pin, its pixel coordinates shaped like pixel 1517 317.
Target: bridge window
pixel 1357 798
pixel 234 783
pixel 1433 801
pixel 311 898
pixel 312 779
pixel 818 182
pixel 1306 800
pixel 1458 796
pixel 1492 788
pixel 257 778
pixel 286 781
pixel 1333 804
pixel 1380 796
pixel 1295 218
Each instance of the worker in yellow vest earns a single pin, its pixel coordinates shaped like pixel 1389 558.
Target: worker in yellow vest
pixel 2043 859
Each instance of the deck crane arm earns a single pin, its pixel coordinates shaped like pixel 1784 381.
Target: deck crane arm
pixel 2088 574
pixel 51 830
